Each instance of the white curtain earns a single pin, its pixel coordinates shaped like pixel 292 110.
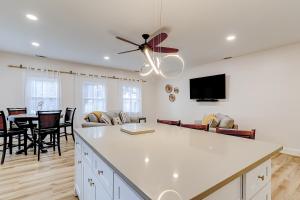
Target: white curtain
pixel 42 90
pixel 90 94
pixel 131 97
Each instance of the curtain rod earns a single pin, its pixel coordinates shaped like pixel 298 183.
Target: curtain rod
pixel 74 73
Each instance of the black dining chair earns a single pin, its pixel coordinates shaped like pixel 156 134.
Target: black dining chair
pixel 48 124
pixel 68 122
pixel 7 136
pixel 17 125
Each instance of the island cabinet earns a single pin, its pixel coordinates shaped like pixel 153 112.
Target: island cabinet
pixel 95 180
pixel 172 163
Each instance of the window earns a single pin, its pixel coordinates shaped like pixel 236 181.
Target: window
pixel 42 94
pixel 94 97
pixel 132 99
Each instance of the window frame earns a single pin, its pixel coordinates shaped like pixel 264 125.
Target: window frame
pixel 94 98
pixel 138 99
pixel 32 95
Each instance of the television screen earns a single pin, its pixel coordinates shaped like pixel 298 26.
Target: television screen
pixel 210 87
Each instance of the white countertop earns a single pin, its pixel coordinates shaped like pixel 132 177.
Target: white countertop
pixel 187 161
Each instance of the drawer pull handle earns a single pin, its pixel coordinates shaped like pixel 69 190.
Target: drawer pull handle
pixel 89 180
pixel 262 178
pixel 85 153
pixel 79 161
pixel 77 143
pixel 100 172
pixel 91 184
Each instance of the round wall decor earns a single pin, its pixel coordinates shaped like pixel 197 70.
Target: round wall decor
pixel 168 88
pixel 172 97
pixel 176 90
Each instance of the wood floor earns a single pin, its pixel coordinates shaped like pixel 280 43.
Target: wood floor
pixel 24 178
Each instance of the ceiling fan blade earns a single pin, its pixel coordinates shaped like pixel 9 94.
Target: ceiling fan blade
pixel 165 50
pixel 157 39
pixel 125 40
pixel 164 29
pixel 129 51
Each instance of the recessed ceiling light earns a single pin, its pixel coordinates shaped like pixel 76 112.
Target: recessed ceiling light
pixel 106 58
pixel 175 175
pixel 230 37
pixel 32 17
pixel 35 44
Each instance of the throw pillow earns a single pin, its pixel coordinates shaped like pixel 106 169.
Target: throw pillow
pixel 208 118
pixel 116 121
pixel 214 123
pixel 226 122
pixel 92 118
pixel 124 117
pixel 105 119
pixel 98 114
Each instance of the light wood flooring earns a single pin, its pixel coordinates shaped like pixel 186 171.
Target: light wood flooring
pixel 24 178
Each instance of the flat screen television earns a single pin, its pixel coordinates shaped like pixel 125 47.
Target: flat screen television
pixel 208 88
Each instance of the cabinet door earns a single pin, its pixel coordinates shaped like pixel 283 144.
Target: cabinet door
pixel 78 174
pixel 89 192
pixel 256 179
pixel 122 191
pixel 101 194
pixel 264 194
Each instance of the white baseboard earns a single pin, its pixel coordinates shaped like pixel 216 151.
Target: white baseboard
pixel 291 151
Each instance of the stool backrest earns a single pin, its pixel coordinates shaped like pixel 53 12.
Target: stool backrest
pixel 49 119
pixel 16 111
pixel 169 122
pixel 3 127
pixel 69 115
pixel 196 126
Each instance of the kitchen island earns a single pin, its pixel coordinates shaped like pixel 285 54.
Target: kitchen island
pixel 172 163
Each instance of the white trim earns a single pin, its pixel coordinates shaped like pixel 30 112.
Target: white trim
pixel 291 151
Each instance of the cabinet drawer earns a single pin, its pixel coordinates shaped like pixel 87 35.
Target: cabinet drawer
pixel 105 175
pixel 264 194
pixel 256 179
pixel 122 191
pixel 88 154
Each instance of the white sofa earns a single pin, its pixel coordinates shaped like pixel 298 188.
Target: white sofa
pixel 86 123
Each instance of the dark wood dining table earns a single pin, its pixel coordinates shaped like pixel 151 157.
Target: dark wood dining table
pixel 22 117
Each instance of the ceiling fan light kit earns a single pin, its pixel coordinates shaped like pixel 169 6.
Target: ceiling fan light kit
pixel 153 60
pixel 156 58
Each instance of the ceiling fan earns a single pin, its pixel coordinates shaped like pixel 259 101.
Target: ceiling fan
pixel 151 45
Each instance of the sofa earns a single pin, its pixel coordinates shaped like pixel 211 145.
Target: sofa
pixel 218 120
pixel 98 118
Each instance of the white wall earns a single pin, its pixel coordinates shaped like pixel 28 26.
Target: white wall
pixel 12 88
pixel 263 92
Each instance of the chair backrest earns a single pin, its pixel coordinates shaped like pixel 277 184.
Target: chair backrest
pixel 238 133
pixel 3 127
pixel 16 111
pixel 169 122
pixel 49 119
pixel 196 126
pixel 69 115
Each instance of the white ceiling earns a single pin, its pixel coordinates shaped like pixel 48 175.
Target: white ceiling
pixel 84 30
